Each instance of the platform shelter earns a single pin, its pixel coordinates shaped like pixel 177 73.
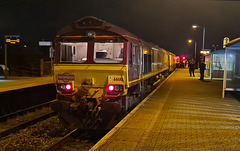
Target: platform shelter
pixel 231 80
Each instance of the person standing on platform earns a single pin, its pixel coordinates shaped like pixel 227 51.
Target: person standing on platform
pixel 202 66
pixel 191 65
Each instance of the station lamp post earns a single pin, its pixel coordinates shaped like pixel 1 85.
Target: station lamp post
pixel 13 40
pixel 196 26
pixel 195 54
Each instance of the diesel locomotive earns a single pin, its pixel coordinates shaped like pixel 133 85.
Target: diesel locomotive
pixel 102 71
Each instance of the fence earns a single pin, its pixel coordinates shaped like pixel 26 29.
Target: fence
pixel 32 71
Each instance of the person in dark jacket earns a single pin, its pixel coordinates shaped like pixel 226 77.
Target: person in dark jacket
pixel 202 66
pixel 191 66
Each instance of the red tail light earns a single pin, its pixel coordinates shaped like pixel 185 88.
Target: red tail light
pixel 110 88
pixel 115 89
pixel 65 87
pixel 68 87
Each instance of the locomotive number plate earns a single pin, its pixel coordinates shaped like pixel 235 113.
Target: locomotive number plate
pixel 115 79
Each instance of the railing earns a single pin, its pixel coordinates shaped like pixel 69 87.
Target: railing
pixel 43 70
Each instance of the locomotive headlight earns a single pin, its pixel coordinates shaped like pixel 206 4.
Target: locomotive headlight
pixel 110 88
pixel 65 87
pixel 115 89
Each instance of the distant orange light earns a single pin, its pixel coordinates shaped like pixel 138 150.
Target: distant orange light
pixel 145 52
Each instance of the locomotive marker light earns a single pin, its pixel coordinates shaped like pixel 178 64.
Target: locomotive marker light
pixel 91 34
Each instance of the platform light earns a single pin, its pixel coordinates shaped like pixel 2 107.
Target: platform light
pixel 205 52
pixel 194 26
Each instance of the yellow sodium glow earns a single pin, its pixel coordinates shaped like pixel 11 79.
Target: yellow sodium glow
pixel 145 52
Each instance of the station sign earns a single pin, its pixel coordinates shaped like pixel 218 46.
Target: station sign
pixel 12 39
pixel 45 43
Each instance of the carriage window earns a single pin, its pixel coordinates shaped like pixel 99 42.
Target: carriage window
pixel 108 52
pixel 135 54
pixel 73 52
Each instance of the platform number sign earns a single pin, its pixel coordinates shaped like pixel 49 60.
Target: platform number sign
pixel 12 39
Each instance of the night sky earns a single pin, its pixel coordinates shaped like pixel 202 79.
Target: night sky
pixel 167 23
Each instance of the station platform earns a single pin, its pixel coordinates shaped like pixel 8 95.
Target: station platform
pixel 14 83
pixel 184 113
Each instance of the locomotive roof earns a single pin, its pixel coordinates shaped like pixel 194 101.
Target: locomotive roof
pixel 93 23
pixel 90 22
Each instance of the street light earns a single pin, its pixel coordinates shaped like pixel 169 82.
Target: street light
pixel 190 41
pixel 195 27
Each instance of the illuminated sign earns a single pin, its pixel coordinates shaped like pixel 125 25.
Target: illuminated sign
pixel 12 39
pixel 45 43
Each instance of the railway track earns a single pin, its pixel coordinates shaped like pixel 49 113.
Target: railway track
pixel 25 124
pixel 62 140
pixel 24 111
pixel 19 120
pixel 77 140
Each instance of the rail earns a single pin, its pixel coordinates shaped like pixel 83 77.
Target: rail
pixel 25 124
pixel 21 112
pixel 62 141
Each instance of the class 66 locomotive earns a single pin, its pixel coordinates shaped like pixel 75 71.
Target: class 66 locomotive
pixel 102 71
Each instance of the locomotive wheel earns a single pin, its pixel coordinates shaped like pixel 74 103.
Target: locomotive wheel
pixel 110 114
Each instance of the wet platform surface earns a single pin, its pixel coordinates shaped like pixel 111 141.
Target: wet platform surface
pixel 183 114
pixel 14 83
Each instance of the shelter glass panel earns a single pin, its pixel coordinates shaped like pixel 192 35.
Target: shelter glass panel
pixel 233 68
pixel 218 65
